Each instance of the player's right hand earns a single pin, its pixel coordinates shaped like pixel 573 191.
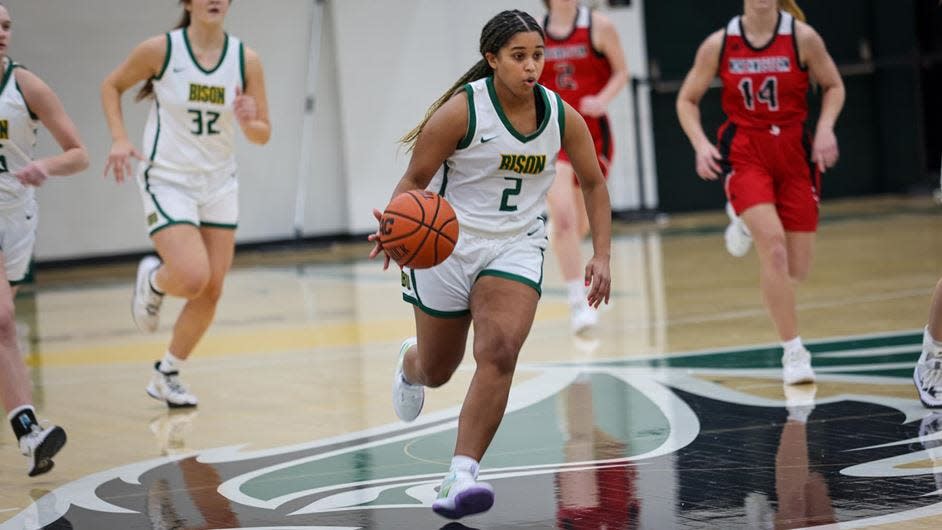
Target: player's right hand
pixel 708 161
pixel 119 159
pixel 377 242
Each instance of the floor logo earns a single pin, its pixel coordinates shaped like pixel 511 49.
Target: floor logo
pixel 661 442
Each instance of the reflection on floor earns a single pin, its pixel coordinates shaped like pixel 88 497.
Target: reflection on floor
pixel 671 415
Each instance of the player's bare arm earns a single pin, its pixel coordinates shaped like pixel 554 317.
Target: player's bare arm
pixel 605 39
pixel 821 67
pixel 251 104
pixel 144 62
pixel 438 139
pixel 577 141
pixel 695 85
pixel 47 106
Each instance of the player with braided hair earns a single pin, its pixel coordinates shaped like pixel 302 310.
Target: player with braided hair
pixel 489 146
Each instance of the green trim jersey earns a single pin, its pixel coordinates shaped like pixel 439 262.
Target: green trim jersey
pixel 191 126
pixel 497 178
pixel 18 127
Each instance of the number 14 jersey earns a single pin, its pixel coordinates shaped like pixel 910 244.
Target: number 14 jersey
pixel 763 85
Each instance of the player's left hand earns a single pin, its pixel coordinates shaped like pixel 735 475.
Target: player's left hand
pixel 244 107
pixel 592 106
pixel 598 278
pixel 824 151
pixel 377 242
pixel 34 174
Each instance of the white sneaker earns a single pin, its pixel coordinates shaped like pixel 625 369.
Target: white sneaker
pixel 407 398
pixel 40 446
pixel 737 236
pixel 460 495
pixel 796 367
pixel 145 304
pixel 582 318
pixel 167 387
pixel 928 374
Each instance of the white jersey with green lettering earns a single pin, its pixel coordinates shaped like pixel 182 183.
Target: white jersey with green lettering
pixel 17 138
pixel 497 178
pixel 191 127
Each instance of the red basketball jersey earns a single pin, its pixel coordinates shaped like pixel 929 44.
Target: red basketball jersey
pixel 573 68
pixel 765 85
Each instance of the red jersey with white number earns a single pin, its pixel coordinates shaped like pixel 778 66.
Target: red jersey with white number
pixel 572 67
pixel 763 85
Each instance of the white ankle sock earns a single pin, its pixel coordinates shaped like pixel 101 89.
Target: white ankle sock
pixel 170 363
pixel 465 463
pixel 576 290
pixel 792 344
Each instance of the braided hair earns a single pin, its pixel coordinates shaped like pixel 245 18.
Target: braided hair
pixel 494 36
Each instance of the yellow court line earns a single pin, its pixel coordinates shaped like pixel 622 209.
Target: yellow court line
pixel 222 342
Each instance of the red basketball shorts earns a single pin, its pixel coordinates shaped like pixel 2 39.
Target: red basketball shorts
pixel 771 166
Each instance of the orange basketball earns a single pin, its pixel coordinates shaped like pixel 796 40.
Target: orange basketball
pixel 419 229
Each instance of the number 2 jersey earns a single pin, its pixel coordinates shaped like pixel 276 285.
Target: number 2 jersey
pixel 497 178
pixel 191 127
pixel 764 85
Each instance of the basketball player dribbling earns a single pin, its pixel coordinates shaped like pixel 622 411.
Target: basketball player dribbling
pixel 25 102
pixel 488 145
pixel 203 82
pixel 765 59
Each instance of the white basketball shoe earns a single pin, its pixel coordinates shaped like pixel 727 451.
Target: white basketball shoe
pixel 407 398
pixel 460 495
pixel 796 367
pixel 928 373
pixel 145 304
pixel 40 445
pixel 167 387
pixel 737 236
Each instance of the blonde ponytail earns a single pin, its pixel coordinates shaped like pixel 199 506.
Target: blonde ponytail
pixel 792 7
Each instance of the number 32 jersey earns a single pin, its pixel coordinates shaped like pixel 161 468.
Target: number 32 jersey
pixel 191 126
pixel 763 85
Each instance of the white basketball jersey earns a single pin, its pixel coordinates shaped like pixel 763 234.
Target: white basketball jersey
pixel 497 178
pixel 17 139
pixel 191 126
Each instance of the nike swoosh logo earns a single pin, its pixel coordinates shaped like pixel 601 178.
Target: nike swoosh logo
pixel 485 140
pixel 178 70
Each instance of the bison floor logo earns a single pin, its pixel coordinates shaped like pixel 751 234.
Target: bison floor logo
pixel 668 442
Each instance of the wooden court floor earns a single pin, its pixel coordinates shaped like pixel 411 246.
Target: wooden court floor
pixel 671 415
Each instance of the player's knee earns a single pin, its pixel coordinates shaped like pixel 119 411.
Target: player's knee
pixel 435 377
pixel 212 290
pixel 798 273
pixel 499 355
pixel 194 282
pixel 775 253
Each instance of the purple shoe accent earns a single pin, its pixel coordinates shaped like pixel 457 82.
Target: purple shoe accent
pixel 476 499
